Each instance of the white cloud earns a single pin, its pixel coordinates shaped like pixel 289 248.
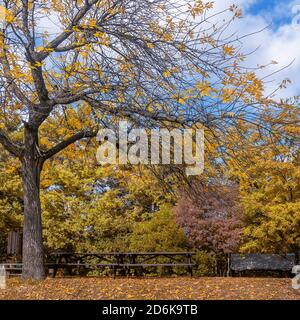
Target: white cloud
pixel 275 43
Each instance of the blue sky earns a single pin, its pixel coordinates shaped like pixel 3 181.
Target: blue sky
pixel 279 42
pixel 278 12
pixel 268 8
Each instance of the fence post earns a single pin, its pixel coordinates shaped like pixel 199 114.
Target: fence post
pixel 2 277
pixel 228 265
pixel 295 280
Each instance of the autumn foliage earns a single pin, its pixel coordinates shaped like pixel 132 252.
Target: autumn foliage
pixel 156 64
pixel 213 220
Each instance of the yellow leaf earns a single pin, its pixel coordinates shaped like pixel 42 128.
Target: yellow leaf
pixel 181 100
pixel 167 74
pixel 228 50
pixel 150 45
pixel 204 88
pixel 84 54
pixel 6 15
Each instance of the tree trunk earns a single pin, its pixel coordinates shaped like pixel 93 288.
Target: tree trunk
pixel 32 162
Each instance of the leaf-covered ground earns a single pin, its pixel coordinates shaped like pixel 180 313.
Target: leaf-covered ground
pixel 151 288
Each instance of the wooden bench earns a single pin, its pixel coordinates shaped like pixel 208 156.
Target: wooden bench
pixel 257 262
pixel 76 262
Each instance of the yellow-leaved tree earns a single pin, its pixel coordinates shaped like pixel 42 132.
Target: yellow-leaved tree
pixel 151 61
pixel 267 166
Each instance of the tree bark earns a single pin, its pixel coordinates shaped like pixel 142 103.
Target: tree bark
pixel 33 253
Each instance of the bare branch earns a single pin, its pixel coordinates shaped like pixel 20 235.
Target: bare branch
pixel 9 145
pixel 66 33
pixel 88 133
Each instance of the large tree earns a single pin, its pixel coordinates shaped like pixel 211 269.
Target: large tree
pixel 152 61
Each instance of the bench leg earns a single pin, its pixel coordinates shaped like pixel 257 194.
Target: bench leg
pixel 191 271
pixel 54 272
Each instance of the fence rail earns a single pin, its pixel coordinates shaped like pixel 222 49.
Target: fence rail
pixel 12 269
